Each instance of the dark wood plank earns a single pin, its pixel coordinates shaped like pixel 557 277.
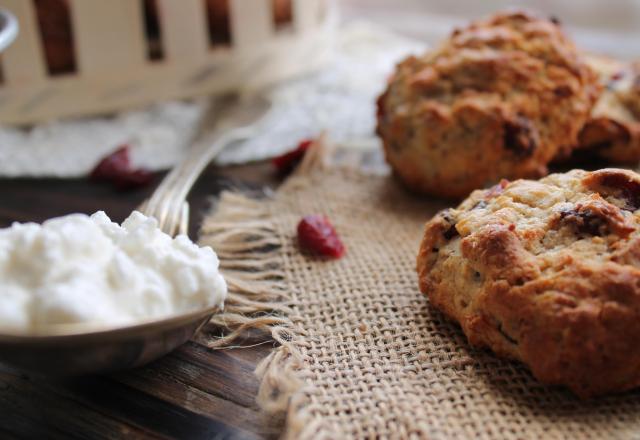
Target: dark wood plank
pixel 195 400
pixel 195 392
pixel 39 199
pixel 116 401
pixel 214 372
pixel 7 435
pixel 30 411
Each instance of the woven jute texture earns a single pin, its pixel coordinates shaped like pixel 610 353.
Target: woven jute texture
pixel 362 354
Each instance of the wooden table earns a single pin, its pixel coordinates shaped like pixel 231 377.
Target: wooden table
pixel 193 393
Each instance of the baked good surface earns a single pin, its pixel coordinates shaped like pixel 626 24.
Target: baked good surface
pixel 499 98
pixel 613 130
pixel 546 272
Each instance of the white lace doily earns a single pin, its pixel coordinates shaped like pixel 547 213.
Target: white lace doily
pixel 340 100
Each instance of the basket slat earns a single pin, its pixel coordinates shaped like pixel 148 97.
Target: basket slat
pixel 113 70
pixel 183 42
pixel 109 35
pixel 251 22
pixel 306 15
pixel 23 62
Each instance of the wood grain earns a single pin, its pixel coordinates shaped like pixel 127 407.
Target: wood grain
pixel 193 393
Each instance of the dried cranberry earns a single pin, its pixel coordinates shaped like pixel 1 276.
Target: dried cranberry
pixel 112 165
pixel 317 235
pixel 584 221
pixel 116 168
pixel 451 231
pixel 563 91
pixel 286 163
pixel 520 136
pixel 555 20
pixel 617 76
pixel 132 179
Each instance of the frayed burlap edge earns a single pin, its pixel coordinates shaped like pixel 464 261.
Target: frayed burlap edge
pixel 249 246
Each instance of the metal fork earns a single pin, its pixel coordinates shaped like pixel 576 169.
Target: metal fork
pixel 241 120
pixel 9 28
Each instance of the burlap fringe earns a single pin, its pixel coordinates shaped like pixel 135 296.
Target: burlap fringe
pixel 249 247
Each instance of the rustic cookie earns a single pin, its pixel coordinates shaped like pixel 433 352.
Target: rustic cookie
pixel 499 98
pixel 613 131
pixel 546 272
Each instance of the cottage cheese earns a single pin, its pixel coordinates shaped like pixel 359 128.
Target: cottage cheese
pixel 87 269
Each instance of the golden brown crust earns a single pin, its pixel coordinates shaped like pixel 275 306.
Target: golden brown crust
pixel 613 131
pixel 546 272
pixel 500 98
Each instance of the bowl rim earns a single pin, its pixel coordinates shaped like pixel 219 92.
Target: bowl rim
pixel 68 332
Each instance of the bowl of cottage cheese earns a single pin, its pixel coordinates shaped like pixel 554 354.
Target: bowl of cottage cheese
pixel 83 294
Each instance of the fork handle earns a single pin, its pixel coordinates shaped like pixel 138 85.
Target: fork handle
pixel 189 170
pixel 166 203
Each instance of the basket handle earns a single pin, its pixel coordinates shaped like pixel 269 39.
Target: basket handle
pixel 8 28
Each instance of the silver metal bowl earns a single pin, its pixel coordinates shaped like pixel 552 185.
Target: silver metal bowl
pixel 79 349
pixel 8 28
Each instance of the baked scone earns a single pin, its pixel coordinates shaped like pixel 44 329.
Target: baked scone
pixel 613 131
pixel 546 272
pixel 499 98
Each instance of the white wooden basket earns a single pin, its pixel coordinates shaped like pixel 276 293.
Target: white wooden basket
pixel 114 73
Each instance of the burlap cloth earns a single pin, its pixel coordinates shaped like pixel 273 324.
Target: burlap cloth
pixel 362 353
